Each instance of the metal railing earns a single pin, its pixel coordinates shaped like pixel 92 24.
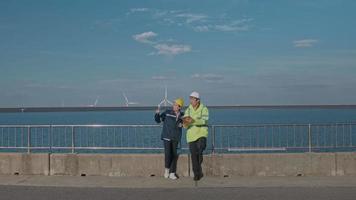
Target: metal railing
pixel 146 138
pixel 285 137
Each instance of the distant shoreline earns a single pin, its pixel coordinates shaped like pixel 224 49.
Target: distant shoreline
pixel 142 108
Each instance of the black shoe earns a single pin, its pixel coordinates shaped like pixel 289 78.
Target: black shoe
pixel 198 177
pixel 201 176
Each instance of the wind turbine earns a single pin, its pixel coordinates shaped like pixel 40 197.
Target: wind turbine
pixel 22 107
pixel 95 103
pixel 127 102
pixel 165 101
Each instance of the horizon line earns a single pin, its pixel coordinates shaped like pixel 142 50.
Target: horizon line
pixel 123 108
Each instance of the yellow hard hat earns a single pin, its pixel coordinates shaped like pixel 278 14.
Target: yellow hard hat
pixel 180 102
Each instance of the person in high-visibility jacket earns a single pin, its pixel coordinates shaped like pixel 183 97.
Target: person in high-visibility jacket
pixel 195 120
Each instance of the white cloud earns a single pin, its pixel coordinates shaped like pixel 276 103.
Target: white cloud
pixel 190 18
pixel 162 78
pixel 160 13
pixel 222 28
pixel 35 85
pixel 197 22
pixel 144 37
pixel 304 43
pixel 106 24
pixel 203 28
pixel 174 49
pixel 226 28
pixel 110 81
pixel 133 10
pixel 241 21
pixel 236 25
pixel 162 47
pixel 208 77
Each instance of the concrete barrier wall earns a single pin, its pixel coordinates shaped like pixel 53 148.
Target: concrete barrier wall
pixel 113 164
pixel 24 164
pixel 346 164
pixel 306 164
pixel 299 164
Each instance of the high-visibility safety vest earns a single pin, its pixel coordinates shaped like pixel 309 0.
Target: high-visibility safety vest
pixel 199 128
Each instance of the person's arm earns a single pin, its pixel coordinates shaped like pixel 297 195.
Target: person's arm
pixel 203 119
pixel 186 122
pixel 180 120
pixel 160 117
pixel 186 112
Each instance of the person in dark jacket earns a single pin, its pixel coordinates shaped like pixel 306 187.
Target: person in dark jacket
pixel 171 136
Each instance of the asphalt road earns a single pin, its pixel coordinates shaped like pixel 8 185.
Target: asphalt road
pixel 194 193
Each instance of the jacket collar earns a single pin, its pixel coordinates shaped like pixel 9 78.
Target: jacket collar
pixel 201 106
pixel 171 111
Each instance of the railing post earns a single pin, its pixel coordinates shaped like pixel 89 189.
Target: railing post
pixel 351 143
pixel 50 138
pixel 73 139
pixel 29 139
pixel 310 139
pixel 213 136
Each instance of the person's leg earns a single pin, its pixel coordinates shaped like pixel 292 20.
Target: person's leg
pixel 173 167
pixel 201 143
pixel 174 158
pixel 167 157
pixel 194 154
pixel 201 146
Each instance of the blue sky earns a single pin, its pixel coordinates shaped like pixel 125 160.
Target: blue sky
pixel 240 52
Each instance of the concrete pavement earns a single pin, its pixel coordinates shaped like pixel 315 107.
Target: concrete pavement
pixel 184 182
pixel 157 188
pixel 250 193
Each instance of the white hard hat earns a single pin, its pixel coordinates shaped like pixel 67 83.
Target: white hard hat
pixel 195 95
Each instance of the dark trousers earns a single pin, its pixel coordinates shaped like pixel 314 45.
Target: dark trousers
pixel 196 151
pixel 170 155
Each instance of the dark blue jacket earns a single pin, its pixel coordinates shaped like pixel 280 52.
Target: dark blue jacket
pixel 172 126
